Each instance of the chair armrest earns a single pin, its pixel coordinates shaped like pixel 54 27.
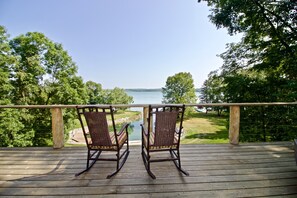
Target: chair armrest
pixel 177 130
pixel 144 130
pixel 125 126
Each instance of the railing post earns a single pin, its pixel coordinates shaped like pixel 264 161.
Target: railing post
pixel 145 116
pixel 57 128
pixel 234 123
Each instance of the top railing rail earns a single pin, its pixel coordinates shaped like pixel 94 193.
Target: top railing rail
pixel 146 105
pixel 58 125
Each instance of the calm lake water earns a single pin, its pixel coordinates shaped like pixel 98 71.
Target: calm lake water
pixel 143 97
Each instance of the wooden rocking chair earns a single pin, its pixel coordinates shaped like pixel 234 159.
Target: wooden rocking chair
pixel 165 135
pixel 98 138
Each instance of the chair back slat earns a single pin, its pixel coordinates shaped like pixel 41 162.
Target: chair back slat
pixel 98 128
pixel 165 128
pixel 93 120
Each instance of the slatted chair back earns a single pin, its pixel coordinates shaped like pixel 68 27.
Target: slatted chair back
pixel 165 128
pixel 97 125
pixel 167 125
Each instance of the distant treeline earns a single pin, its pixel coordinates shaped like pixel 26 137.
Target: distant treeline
pixel 143 89
pixel 151 90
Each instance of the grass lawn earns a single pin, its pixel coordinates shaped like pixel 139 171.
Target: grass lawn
pixel 201 128
pixel 120 117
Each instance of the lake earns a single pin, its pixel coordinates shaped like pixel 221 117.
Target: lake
pixel 143 96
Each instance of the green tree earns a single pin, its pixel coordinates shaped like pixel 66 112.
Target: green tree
pixel 44 74
pixel 117 96
pixel 10 123
pixel 262 66
pixel 270 33
pixel 38 71
pixel 179 89
pixel 95 92
pixel 97 95
pixel 7 60
pixel 212 90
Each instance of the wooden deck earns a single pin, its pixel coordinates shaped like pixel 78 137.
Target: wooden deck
pixel 248 170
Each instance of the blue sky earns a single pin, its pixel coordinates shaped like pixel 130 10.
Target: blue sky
pixel 126 44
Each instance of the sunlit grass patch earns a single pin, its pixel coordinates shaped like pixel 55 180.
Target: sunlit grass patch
pixel 201 128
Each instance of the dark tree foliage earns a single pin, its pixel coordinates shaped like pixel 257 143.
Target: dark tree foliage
pixel 10 120
pixel 95 93
pixel 37 71
pixel 179 89
pixel 212 91
pixel 263 66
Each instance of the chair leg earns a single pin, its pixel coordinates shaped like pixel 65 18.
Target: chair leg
pixel 178 163
pixel 120 165
pixel 146 161
pixel 89 166
pixel 149 171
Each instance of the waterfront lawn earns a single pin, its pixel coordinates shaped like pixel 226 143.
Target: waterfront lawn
pixel 120 117
pixel 202 128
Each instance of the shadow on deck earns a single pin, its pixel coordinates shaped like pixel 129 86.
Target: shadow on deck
pixel 221 170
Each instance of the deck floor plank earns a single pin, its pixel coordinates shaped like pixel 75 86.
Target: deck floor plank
pixel 219 170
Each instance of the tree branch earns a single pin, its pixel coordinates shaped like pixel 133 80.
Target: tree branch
pixel 272 27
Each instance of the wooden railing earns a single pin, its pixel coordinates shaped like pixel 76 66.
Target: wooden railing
pixel 234 121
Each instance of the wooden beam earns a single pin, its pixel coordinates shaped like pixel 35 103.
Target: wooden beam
pixel 234 124
pixel 145 115
pixel 145 105
pixel 57 128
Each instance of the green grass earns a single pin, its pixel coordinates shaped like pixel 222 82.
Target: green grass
pixel 120 117
pixel 201 128
pixel 127 115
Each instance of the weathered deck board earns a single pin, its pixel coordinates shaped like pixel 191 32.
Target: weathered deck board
pixel 222 170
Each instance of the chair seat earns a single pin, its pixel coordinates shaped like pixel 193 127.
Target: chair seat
pixel 159 147
pixel 121 139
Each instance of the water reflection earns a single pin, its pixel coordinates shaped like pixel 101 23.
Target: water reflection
pixel 135 129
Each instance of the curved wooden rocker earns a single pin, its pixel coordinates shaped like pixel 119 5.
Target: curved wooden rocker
pixel 164 136
pixel 98 138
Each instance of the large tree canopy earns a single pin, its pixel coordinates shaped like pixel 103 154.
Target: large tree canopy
pixel 269 31
pixel 37 71
pixel 10 124
pixel 262 67
pixel 45 73
pixel 179 89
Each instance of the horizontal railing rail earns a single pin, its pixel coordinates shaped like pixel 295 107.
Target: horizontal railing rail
pixel 58 125
pixel 146 105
